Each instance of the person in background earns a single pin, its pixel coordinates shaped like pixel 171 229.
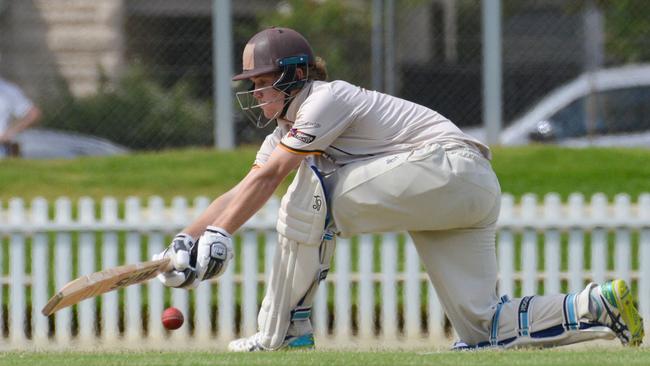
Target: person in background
pixel 17 113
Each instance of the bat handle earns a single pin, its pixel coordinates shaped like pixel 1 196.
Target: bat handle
pixel 168 266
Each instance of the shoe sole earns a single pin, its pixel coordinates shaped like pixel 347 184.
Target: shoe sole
pixel 302 343
pixel 627 310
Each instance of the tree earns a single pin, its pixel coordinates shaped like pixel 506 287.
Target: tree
pixel 339 32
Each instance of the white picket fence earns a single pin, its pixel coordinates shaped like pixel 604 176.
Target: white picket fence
pixel 376 290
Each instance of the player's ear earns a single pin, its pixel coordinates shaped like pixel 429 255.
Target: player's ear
pixel 300 73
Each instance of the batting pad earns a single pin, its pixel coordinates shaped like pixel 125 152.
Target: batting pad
pixel 543 321
pixel 301 259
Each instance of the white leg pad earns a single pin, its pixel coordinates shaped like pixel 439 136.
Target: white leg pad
pixel 301 259
pixel 543 321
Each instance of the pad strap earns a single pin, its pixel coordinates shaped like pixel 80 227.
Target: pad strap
pixel 494 332
pixel 570 311
pixel 524 318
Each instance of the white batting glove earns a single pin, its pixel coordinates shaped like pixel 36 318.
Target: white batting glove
pixel 214 252
pixel 181 251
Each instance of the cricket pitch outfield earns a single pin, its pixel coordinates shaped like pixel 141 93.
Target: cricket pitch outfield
pixel 557 356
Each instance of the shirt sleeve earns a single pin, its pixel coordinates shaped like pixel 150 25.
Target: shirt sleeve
pixel 320 120
pixel 269 144
pixel 19 103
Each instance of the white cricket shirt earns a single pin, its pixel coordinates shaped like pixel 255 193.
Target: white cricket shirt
pixel 13 104
pixel 343 123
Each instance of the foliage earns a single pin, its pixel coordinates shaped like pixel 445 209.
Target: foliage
pixel 627 29
pixel 338 31
pixel 136 112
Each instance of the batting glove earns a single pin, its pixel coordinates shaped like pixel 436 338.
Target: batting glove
pixel 214 252
pixel 182 252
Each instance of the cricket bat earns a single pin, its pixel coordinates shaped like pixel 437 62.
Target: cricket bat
pixel 104 281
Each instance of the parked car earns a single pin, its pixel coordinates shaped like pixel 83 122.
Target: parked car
pixel 617 98
pixel 37 143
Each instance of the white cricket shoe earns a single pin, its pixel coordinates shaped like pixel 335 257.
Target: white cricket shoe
pixel 253 344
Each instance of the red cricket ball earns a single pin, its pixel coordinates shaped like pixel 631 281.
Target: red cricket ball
pixel 172 318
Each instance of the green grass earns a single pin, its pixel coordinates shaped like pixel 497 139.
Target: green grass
pixel 195 172
pixel 591 356
pixel 167 174
pixel 544 169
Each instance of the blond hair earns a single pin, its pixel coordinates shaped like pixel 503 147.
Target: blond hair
pixel 318 71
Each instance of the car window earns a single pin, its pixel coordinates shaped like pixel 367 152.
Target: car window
pixel 626 110
pixel 616 111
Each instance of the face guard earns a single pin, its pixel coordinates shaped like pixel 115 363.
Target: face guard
pixel 286 83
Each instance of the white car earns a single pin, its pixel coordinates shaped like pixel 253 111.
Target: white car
pixel 620 100
pixel 37 143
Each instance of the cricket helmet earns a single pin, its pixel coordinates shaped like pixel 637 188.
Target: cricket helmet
pixel 274 49
pixel 280 50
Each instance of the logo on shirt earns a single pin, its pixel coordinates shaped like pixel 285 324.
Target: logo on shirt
pixel 301 136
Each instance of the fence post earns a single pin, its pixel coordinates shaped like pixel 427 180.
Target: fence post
pixel 86 265
pixel 412 313
pixel 366 287
pixel 576 239
pixel 342 305
pixel 389 286
pixel 622 258
pixel 40 272
pixel 644 259
pixel 203 293
pixel 599 238
pixel 180 297
pixel 132 300
pixel 226 305
pixel 63 268
pixel 320 310
pixel 506 247
pixel 17 263
pixel 110 308
pixel 529 245
pixel 249 264
pixel 156 209
pixel 552 213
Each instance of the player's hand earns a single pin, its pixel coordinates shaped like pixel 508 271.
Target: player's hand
pixel 182 252
pixel 214 252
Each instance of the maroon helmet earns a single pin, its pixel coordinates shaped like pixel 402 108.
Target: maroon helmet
pixel 271 50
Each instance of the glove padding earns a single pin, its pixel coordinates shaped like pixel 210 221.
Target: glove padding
pixel 182 252
pixel 214 252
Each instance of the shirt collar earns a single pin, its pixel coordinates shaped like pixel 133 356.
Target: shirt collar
pixel 297 101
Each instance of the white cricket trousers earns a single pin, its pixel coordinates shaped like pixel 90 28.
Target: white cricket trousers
pixel 447 197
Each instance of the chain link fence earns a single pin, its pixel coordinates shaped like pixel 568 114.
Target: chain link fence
pixel 140 72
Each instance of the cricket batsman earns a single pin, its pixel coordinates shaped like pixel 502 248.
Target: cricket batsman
pixel 369 162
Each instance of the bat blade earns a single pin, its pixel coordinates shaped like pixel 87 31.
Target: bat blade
pixel 104 281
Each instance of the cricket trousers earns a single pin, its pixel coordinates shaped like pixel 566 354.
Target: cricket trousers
pixel 447 197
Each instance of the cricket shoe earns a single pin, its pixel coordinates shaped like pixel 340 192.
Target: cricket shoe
pixel 615 308
pixel 253 344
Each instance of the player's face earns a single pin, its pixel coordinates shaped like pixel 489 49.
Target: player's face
pixel 270 99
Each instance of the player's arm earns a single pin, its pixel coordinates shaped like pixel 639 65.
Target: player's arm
pixel 210 256
pixel 196 228
pixel 29 119
pixel 214 249
pixel 256 189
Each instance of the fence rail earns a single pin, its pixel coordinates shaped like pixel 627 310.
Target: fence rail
pixel 376 289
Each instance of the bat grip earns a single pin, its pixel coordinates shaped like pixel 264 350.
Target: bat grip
pixel 167 266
